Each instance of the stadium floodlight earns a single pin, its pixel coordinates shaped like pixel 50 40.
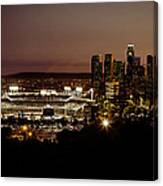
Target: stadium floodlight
pixel 43 92
pixel 67 88
pixel 13 88
pixel 79 89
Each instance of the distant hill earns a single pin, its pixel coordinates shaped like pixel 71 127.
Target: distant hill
pixel 62 75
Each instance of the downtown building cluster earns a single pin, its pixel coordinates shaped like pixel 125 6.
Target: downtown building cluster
pixel 118 81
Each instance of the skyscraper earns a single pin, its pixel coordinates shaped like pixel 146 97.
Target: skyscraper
pixel 137 60
pixel 130 50
pixel 130 62
pixel 150 77
pixel 150 66
pixel 112 73
pixel 117 70
pixel 108 64
pixel 97 75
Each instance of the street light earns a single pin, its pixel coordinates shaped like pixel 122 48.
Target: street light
pixel 105 123
pixel 29 134
pixel 25 128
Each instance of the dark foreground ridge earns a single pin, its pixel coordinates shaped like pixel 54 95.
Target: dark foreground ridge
pixel 124 152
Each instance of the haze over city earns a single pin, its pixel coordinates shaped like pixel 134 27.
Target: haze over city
pixel 62 38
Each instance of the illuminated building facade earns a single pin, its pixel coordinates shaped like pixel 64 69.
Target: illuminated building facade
pixel 112 90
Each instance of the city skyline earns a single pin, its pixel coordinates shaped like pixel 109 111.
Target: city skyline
pixel 63 37
pixel 80 88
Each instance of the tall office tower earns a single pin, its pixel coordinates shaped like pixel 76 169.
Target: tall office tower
pixel 117 70
pixel 150 77
pixel 97 75
pixel 119 77
pixel 141 71
pixel 108 61
pixel 130 62
pixel 150 67
pixel 111 77
pixel 137 61
pixel 108 72
pixel 130 50
pixel 123 72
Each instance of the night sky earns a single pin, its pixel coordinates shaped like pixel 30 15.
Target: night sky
pixel 62 38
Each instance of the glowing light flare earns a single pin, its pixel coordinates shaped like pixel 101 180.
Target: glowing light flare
pixel 30 134
pixel 105 123
pixel 131 96
pixel 25 128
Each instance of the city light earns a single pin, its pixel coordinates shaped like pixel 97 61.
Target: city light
pixel 29 134
pixel 105 123
pixel 67 88
pixel 20 138
pixel 131 45
pixel 43 92
pixel 79 89
pixel 131 96
pixel 24 127
pixel 13 88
